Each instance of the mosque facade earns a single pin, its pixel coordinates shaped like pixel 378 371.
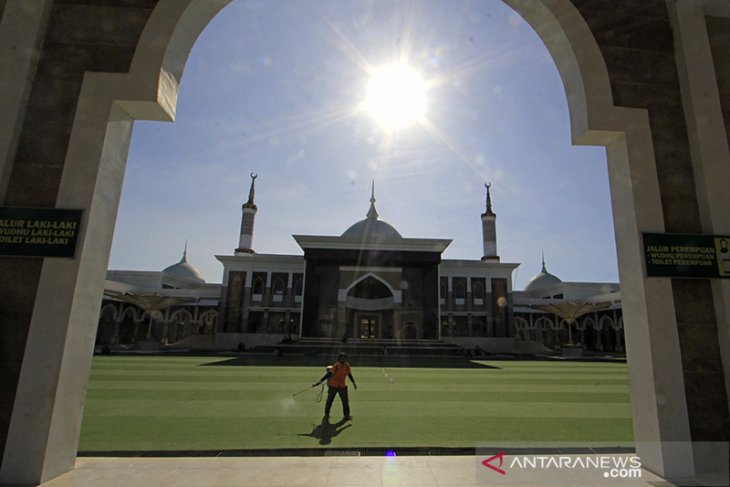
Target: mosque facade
pixel 368 283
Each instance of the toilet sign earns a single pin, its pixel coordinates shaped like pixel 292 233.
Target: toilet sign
pixel 39 232
pixel 680 255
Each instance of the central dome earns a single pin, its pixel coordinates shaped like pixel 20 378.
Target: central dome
pixel 371 229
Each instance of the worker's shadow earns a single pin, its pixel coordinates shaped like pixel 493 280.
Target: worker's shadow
pixel 325 431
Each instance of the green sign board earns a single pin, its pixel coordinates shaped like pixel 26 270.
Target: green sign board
pixel 39 232
pixel 679 255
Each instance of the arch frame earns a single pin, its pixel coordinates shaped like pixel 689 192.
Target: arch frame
pixel 343 294
pixel 606 323
pixel 113 309
pixel 133 312
pixel 43 436
pixel 208 317
pixel 544 323
pixel 583 323
pixel 180 314
pixel 69 292
pixel 522 323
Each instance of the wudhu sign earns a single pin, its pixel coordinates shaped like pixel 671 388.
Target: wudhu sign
pixel 39 232
pixel 678 255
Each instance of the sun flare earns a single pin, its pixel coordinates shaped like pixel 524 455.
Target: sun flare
pixel 396 96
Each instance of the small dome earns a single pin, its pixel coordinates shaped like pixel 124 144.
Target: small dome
pixel 184 269
pixel 371 229
pixel 542 280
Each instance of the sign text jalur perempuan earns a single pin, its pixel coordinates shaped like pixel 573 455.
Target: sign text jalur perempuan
pixel 679 255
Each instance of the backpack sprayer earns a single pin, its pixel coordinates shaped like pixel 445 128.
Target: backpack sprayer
pixel 322 381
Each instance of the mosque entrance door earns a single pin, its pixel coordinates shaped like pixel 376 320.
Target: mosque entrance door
pixel 368 326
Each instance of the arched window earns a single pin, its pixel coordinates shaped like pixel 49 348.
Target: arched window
pixel 258 286
pixel 278 286
pixel 477 291
pixel 459 290
pixel 299 287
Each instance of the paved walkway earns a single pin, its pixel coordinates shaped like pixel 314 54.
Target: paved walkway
pixel 437 471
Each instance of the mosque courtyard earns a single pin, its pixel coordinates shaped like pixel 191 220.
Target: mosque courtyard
pixel 238 403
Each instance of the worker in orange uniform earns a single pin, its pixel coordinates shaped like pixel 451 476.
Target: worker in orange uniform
pixel 335 378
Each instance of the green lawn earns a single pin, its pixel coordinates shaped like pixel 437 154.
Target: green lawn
pixel 211 403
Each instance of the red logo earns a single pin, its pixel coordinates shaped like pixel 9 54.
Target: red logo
pixel 499 455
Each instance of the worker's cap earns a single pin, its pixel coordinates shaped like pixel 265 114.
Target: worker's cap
pixel 329 367
pixel 342 355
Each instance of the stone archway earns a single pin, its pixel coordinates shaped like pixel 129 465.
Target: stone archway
pixel 42 435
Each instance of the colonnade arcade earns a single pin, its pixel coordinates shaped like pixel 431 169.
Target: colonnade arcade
pixel 599 332
pixel 125 324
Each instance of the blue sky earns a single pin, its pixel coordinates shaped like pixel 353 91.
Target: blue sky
pixel 269 88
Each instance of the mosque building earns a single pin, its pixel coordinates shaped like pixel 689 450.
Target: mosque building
pixel 368 284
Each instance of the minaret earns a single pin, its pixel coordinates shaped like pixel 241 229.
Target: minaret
pixel 245 243
pixel 489 231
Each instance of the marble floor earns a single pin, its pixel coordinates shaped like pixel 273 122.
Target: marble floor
pixel 436 471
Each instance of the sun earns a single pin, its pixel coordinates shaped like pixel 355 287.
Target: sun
pixel 396 96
